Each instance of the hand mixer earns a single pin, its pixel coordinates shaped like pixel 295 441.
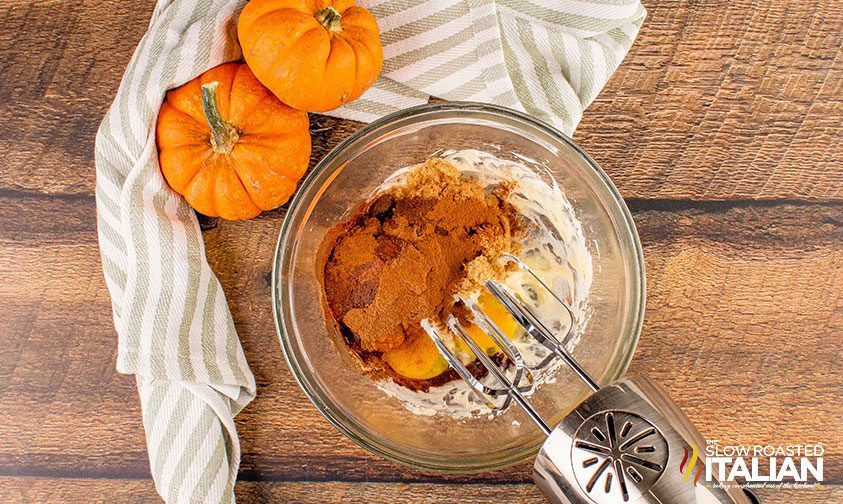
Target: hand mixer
pixel 626 442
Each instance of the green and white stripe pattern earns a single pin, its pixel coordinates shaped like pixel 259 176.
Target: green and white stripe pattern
pixel 548 58
pixel 175 333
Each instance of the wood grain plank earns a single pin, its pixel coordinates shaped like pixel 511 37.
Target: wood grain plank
pixel 95 491
pixel 725 100
pixel 62 62
pixel 722 285
pixel 717 100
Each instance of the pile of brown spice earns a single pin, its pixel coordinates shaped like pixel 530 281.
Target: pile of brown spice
pixel 403 256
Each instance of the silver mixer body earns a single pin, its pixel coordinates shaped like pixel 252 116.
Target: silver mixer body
pixel 627 442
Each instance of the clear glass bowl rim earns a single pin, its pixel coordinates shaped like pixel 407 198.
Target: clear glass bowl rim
pixel 361 140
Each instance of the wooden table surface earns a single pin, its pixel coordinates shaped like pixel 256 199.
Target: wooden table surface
pixel 722 130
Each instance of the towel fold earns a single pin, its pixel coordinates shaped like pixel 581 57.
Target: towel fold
pixel 175 331
pixel 548 58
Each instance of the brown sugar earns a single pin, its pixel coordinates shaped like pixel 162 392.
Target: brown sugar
pixel 403 256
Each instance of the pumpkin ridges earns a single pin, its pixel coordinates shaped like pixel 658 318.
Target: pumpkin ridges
pixel 313 45
pixel 258 8
pixel 360 40
pixel 266 123
pixel 252 95
pixel 365 66
pixel 316 45
pixel 338 80
pixel 187 100
pixel 268 116
pixel 340 5
pixel 271 185
pixel 288 153
pixel 296 24
pixel 187 97
pixel 188 130
pixel 363 35
pixel 181 164
pixel 268 139
pixel 358 17
pixel 266 196
pixel 199 191
pixel 232 195
pixel 277 153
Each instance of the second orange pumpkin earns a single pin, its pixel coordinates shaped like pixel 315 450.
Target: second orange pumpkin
pixel 315 55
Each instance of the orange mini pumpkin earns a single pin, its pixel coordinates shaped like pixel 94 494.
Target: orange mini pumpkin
pixel 229 146
pixel 315 55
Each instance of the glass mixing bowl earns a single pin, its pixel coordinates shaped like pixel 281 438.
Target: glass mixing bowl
pixel 346 177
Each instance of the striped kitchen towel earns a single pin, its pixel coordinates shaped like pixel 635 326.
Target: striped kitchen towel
pixel 548 58
pixel 175 331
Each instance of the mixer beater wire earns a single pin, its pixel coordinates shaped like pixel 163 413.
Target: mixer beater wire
pixel 512 389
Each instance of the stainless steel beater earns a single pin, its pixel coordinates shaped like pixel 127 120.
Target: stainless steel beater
pixel 626 442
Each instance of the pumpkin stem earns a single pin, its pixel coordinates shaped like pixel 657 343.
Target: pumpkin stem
pixel 330 19
pixel 223 135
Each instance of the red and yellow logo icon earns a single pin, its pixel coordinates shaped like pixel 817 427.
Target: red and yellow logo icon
pixel 689 462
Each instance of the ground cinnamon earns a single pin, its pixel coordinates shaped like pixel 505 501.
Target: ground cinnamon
pixel 402 257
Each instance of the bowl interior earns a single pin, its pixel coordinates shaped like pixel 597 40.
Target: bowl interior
pixel 346 177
